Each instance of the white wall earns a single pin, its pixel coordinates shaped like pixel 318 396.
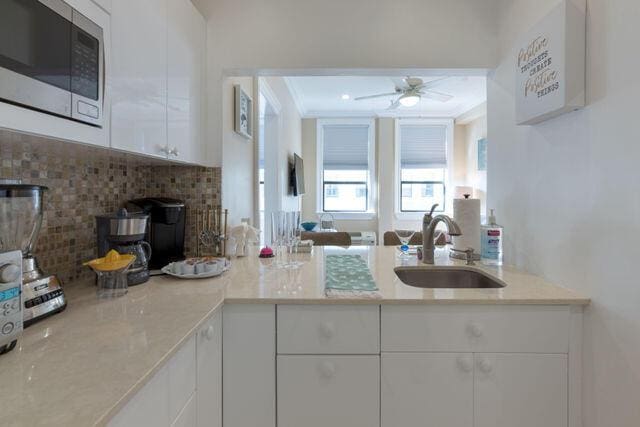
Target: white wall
pixel 290 138
pixel 251 35
pixel 567 192
pixel 238 175
pixel 473 131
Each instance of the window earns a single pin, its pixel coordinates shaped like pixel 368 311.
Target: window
pixel 345 165
pixel 422 165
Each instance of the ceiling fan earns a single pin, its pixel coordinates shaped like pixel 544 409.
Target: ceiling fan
pixel 410 91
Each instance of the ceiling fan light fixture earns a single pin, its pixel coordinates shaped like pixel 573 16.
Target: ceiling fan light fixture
pixel 409 100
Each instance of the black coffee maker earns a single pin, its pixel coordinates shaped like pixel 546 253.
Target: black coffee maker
pixel 166 229
pixel 125 232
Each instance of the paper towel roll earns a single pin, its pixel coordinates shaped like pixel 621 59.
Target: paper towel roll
pixel 466 212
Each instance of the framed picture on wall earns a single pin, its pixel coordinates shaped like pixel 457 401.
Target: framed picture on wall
pixel 482 154
pixel 243 113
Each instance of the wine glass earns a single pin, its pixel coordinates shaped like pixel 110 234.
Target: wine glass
pixel 405 237
pixel 278 234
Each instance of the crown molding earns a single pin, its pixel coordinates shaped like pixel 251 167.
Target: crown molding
pixel 295 94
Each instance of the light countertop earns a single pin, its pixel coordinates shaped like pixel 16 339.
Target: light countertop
pixel 78 368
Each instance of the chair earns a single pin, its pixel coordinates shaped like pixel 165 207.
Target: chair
pixel 339 238
pixel 391 239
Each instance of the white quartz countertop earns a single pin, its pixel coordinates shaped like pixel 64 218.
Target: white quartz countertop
pixel 79 367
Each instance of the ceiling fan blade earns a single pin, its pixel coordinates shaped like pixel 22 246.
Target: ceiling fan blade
pixel 432 83
pixel 400 83
pixel 438 96
pixel 380 95
pixel 394 105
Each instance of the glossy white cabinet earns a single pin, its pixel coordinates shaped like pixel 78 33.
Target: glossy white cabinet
pixel 185 81
pixel 157 78
pixel 328 390
pixel 186 391
pixel 434 389
pixel 209 379
pixel 328 329
pixel 149 407
pixel 188 416
pixel 138 77
pixel 524 390
pixel 249 365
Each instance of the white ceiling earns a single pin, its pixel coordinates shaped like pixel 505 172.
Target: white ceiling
pixel 321 96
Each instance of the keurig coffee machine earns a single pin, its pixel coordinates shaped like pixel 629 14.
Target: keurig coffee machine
pixel 166 229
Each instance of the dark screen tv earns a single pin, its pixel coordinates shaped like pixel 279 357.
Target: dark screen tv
pixel 297 176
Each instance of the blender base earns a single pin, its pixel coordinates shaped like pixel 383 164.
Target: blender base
pixel 42 294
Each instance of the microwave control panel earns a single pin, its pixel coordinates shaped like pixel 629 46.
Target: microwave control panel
pixel 10 299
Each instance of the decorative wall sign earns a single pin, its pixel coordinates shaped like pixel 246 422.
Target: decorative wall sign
pixel 243 113
pixel 550 65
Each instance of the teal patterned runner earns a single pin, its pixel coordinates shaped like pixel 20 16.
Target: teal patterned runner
pixel 348 273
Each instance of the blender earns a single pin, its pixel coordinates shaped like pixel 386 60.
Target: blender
pixel 20 221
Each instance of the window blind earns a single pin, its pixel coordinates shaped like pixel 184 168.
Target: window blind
pixel 345 147
pixel 423 146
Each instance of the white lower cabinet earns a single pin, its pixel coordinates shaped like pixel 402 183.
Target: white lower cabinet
pixel 188 416
pixel 524 390
pixel 320 391
pixel 427 389
pixel 186 391
pixel 209 380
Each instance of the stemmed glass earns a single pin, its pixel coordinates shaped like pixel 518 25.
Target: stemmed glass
pixel 278 234
pixel 405 237
pixel 293 235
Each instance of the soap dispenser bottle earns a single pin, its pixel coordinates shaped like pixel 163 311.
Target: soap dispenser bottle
pixel 491 241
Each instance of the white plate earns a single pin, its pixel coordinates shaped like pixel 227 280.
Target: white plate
pixel 168 269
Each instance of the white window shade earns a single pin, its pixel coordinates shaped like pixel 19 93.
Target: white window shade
pixel 345 147
pixel 423 146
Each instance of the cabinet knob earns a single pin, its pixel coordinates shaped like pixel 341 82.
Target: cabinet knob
pixel 474 330
pixel 465 364
pixel 327 369
pixel 485 366
pixel 209 333
pixel 327 329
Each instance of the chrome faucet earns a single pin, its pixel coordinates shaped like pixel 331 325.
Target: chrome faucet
pixel 429 224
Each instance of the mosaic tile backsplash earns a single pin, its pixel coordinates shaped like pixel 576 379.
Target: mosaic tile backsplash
pixel 86 181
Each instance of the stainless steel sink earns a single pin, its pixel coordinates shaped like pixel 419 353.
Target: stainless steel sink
pixel 447 277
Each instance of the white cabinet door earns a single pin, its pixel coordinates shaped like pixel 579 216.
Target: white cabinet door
pixel 149 407
pixel 138 77
pixel 185 84
pixel 524 390
pixel 209 381
pixel 182 377
pixel 427 389
pixel 321 391
pixel 249 368
pixel 188 416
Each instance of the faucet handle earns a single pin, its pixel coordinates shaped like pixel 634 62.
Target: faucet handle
pixel 469 252
pixel 428 217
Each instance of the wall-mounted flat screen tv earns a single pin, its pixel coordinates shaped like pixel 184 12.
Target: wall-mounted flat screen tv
pixel 297 176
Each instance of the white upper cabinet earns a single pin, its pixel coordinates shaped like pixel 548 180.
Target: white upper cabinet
pixel 139 76
pixel 185 72
pixel 157 78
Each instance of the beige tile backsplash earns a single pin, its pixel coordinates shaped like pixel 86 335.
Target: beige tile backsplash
pixel 86 181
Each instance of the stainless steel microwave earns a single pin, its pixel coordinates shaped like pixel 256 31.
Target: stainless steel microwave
pixel 51 60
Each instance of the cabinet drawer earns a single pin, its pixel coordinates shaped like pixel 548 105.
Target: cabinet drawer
pixel 475 328
pixel 324 329
pixel 320 391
